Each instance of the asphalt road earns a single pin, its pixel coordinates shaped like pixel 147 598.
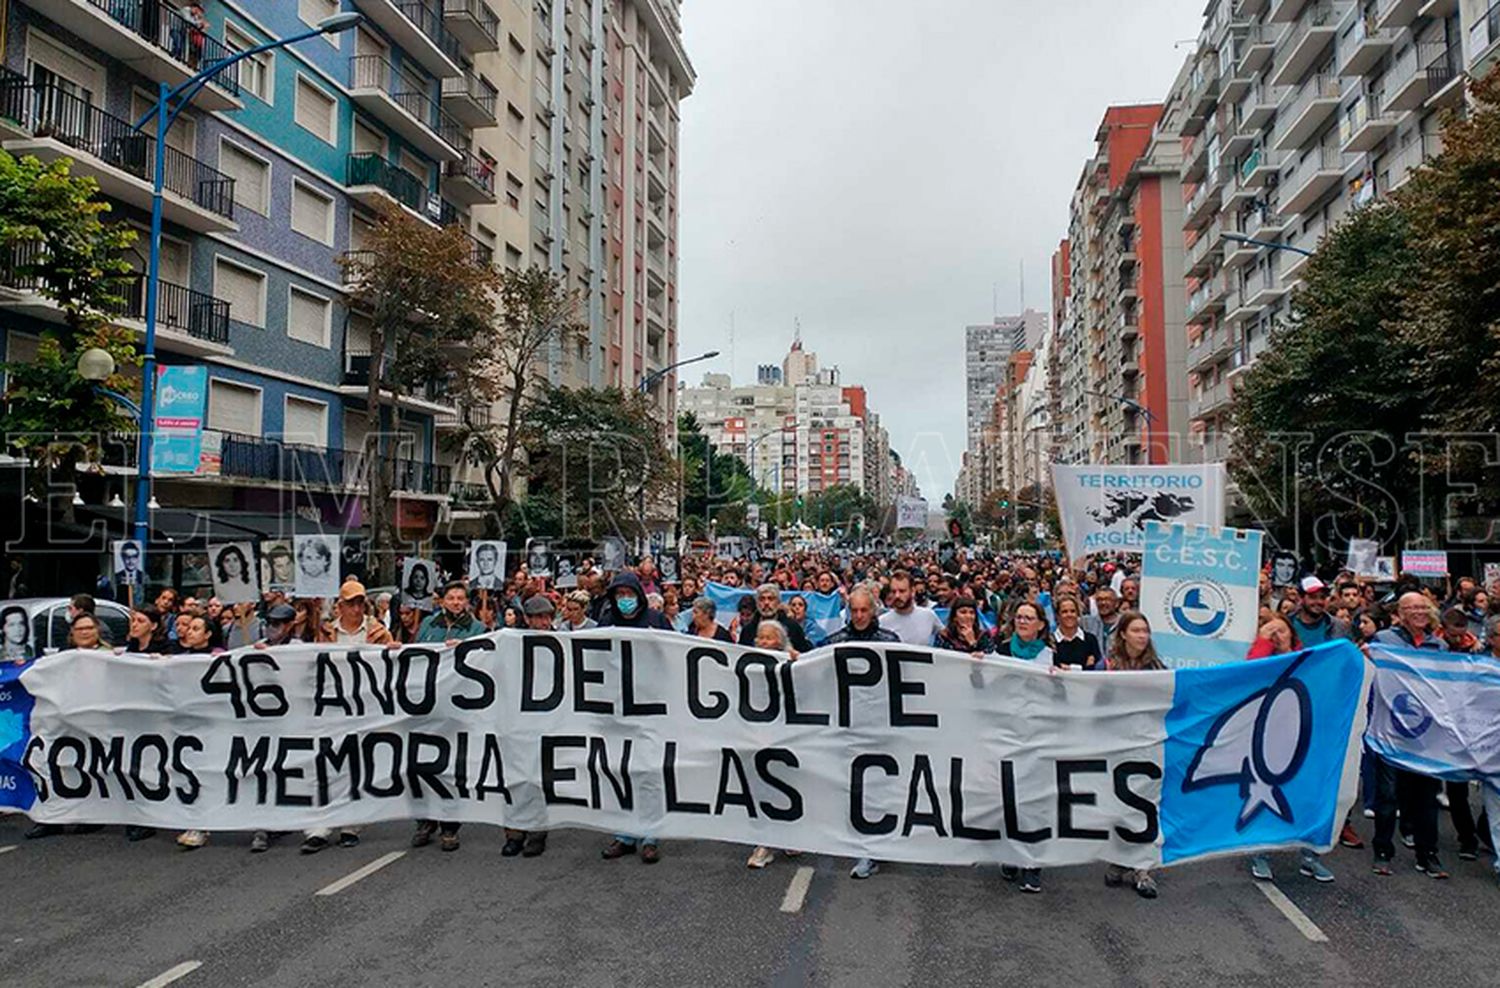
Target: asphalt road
pixel 93 910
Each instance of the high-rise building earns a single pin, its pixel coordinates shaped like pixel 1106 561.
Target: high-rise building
pixel 1297 112
pixel 987 348
pixel 274 175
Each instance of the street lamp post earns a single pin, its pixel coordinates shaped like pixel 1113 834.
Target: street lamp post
pixel 1240 238
pixel 165 113
pixel 648 381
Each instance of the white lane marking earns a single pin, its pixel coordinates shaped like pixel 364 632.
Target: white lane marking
pixel 171 974
pixel 796 892
pixel 8 848
pixel 361 874
pixel 1289 909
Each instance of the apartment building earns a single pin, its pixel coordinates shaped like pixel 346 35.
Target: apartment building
pixel 1121 396
pixel 1298 112
pixel 272 177
pixel 987 348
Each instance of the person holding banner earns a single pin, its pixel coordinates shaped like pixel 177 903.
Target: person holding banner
pixel 451 623
pixel 1071 645
pixel 768 608
pixel 963 633
pixel 352 624
pixel 772 637
pixel 1410 793
pixel 1027 641
pixel 1132 651
pixel 911 623
pixel 704 622
pixel 1312 622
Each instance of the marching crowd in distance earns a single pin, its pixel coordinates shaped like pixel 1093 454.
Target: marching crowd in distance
pixel 1031 607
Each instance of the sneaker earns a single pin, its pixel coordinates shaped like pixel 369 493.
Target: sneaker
pixel 1348 838
pixel 1010 872
pixel 40 830
pixel 1442 799
pixel 1316 870
pixel 1114 876
pixel 650 854
pixel 133 834
pixel 1145 886
pixel 1408 841
pixel 1382 866
pixel 512 847
pixel 313 844
pixel 1468 853
pixel 348 838
pixel 1031 880
pixel 535 844
pixel 864 868
pixel 448 842
pixel 1432 868
pixel 260 842
pixel 1369 814
pixel 616 849
pixel 762 856
pixel 191 840
pixel 423 834
pixel 1260 868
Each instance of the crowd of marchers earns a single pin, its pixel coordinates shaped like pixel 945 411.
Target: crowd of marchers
pixel 1032 607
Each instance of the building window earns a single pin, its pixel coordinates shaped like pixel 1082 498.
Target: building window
pixel 244 289
pixel 252 177
pixel 257 73
pixel 312 213
pixel 308 317
pixel 313 11
pixel 305 422
pixel 233 408
pixel 315 111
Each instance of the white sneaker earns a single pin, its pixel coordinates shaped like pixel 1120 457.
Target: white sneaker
pixel 1369 814
pixel 191 839
pixel 760 857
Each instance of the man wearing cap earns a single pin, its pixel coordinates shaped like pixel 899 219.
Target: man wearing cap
pixel 1311 621
pixel 352 623
pixel 278 625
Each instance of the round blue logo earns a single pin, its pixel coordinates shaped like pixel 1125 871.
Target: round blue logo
pixel 1200 607
pixel 1409 718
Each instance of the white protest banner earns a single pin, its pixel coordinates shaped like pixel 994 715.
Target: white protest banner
pixel 1428 563
pixel 911 512
pixel 1106 508
pixel 1201 591
pixel 900 753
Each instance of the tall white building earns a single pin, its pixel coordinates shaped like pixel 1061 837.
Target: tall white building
pixel 987 347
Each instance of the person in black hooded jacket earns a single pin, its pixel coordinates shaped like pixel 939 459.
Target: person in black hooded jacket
pixel 626 606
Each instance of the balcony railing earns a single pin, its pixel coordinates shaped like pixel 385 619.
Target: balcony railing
pixel 1484 32
pixel 477 12
pixel 255 458
pixel 178 307
pixel 471 86
pixel 368 168
pixel 1442 63
pixel 473 168
pixel 160 24
pixel 376 72
pixel 50 111
pixel 429 20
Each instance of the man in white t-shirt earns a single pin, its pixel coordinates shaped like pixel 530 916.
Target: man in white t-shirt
pixel 912 624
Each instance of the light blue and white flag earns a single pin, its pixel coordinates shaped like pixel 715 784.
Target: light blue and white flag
pixel 986 619
pixel 1437 713
pixel 825 611
pixel 1200 591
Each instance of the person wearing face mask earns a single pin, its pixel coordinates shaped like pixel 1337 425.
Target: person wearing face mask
pixel 627 606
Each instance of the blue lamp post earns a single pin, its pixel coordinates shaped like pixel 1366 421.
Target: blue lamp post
pixel 169 104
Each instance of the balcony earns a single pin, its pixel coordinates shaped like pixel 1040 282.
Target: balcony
pixel 1366 45
pixel 1305 44
pixel 1204 88
pixel 278 462
pixel 1307 109
pixel 1399 166
pixel 469 180
pixel 472 23
pixel 1395 14
pixel 1203 254
pixel 1262 106
pixel 1405 82
pixel 1267 224
pixel 1194 158
pixel 1257 46
pixel 1286 11
pixel 1129 285
pixel 154 39
pixel 1484 42
pixel 1443 65
pixel 109 150
pixel 417 28
pixel 415 116
pixel 187 321
pixel 1130 326
pixel 1317 173
pixel 375 183
pixel 1365 124
pixel 1263 288
pixel 1211 347
pixel 470 100
pixel 1202 205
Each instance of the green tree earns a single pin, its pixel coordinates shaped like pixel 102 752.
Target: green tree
pixel 586 451
pixel 53 238
pixel 837 507
pixel 716 486
pixel 1319 418
pixel 430 303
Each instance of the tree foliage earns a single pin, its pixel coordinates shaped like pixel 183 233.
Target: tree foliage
pixel 715 486
pixel 591 455
pixel 53 237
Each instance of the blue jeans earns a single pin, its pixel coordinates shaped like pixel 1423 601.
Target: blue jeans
pixel 627 839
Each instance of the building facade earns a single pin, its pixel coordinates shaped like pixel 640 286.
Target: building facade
pixel 987 348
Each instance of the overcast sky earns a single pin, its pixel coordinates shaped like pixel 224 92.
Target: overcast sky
pixel 881 169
